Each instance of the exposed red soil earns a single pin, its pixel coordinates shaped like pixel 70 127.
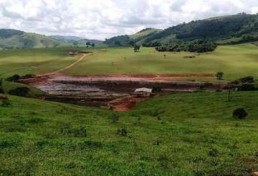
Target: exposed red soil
pixel 121 84
pixel 124 104
pixel 115 77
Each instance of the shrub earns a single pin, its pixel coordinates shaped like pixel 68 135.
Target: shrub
pixel 68 130
pixel 114 118
pixel 28 76
pixel 245 83
pixel 219 75
pixel 5 103
pixel 1 88
pixel 122 132
pixel 20 91
pixel 214 152
pixel 240 113
pixel 14 78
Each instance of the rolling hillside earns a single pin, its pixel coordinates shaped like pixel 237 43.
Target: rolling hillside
pixel 231 29
pixel 127 40
pixel 14 39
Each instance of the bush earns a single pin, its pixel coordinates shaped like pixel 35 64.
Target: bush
pixel 122 132
pixel 245 83
pixel 240 113
pixel 220 75
pixel 1 88
pixel 5 103
pixel 68 130
pixel 28 76
pixel 213 153
pixel 20 91
pixel 14 78
pixel 114 118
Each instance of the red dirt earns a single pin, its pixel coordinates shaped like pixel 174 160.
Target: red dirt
pixel 114 77
pixel 122 82
pixel 124 104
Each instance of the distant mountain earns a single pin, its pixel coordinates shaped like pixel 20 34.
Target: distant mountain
pixel 230 29
pixel 11 39
pixel 71 39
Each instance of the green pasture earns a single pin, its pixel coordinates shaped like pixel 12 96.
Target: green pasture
pixel 235 61
pixel 33 61
pixel 188 134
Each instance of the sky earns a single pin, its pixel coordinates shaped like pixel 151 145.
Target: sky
pixel 100 19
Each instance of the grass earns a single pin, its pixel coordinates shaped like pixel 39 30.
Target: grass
pixel 8 86
pixel 235 61
pixel 33 61
pixel 179 134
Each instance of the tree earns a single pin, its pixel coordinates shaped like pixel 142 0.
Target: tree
pixel 220 75
pixel 88 44
pixel 136 48
pixel 93 45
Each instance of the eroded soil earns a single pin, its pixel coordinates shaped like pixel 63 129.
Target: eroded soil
pixel 115 92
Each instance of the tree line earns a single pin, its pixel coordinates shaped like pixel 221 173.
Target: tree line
pixel 199 46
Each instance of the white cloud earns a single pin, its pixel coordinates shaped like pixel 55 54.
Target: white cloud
pixel 102 19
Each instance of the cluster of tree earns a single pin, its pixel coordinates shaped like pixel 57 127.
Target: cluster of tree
pixel 123 40
pixel 151 44
pixel 244 39
pixel 199 46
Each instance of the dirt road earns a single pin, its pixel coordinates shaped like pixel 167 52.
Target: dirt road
pixel 67 67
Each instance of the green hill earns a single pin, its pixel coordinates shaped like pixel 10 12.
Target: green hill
pixel 127 40
pixel 180 134
pixel 14 39
pixel 231 29
pixel 10 39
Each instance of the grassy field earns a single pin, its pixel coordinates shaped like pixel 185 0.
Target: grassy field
pixel 33 61
pixel 235 61
pixel 180 135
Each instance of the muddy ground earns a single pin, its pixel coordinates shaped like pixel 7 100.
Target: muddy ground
pixel 116 92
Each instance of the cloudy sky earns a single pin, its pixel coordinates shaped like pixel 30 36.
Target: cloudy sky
pixel 102 19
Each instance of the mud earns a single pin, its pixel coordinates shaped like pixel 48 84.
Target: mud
pixel 115 92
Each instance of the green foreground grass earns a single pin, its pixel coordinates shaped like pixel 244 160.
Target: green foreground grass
pixel 235 61
pixel 179 134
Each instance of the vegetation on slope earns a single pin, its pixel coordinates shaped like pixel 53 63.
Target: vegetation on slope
pixel 180 134
pixel 13 39
pixel 234 29
pixel 130 40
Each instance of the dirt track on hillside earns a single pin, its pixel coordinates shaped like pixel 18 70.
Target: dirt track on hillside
pixel 66 67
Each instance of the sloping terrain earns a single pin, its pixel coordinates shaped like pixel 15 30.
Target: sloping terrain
pixel 231 29
pixel 127 40
pixel 181 134
pixel 15 39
